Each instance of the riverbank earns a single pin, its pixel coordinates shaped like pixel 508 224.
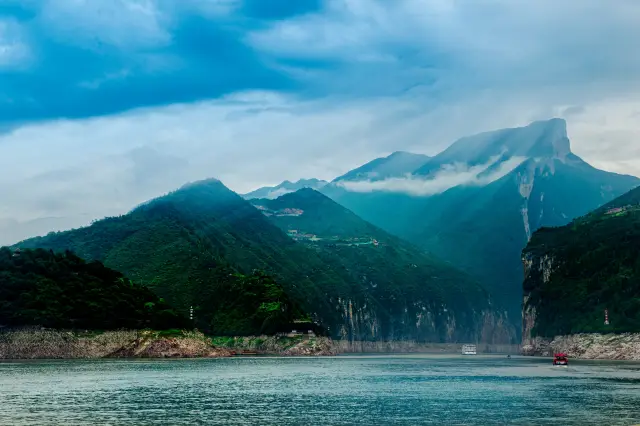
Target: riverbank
pixel 59 344
pixel 624 346
pixel 37 343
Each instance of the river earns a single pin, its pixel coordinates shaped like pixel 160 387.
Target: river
pixel 343 390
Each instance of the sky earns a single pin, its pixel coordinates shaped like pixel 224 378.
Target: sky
pixel 107 103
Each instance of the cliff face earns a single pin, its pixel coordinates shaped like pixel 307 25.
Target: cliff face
pixel 425 322
pixel 537 271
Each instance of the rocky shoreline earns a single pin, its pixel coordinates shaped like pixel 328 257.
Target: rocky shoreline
pixel 60 344
pixel 38 343
pixel 624 346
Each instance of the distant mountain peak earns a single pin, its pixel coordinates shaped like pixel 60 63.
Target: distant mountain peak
pixel 398 163
pixel 544 139
pixel 202 182
pixel 271 192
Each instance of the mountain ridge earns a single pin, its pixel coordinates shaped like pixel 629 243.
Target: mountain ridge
pixel 190 244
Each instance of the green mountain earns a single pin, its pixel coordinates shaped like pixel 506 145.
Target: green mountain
pixel 575 272
pixel 477 203
pixel 38 287
pixel 407 282
pixel 189 246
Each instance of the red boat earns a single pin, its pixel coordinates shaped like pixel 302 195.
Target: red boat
pixel 560 359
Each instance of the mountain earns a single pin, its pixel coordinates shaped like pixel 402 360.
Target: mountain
pixel 198 246
pixel 190 245
pixel 397 164
pixel 40 288
pixel 477 203
pixel 409 282
pixel 575 272
pixel 284 188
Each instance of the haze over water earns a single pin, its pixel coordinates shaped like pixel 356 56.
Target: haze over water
pixel 371 390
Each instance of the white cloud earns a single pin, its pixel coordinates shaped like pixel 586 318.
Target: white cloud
pixel 410 75
pixel 275 193
pixel 455 48
pixel 449 176
pixel 87 169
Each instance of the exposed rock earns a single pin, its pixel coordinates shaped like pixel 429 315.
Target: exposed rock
pixel 190 345
pixel 588 346
pixel 315 347
pixel 56 344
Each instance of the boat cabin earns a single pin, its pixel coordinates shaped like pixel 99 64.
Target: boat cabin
pixel 469 349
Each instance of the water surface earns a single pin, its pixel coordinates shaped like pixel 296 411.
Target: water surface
pixel 346 390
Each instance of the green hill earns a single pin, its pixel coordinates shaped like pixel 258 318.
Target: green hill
pixel 189 245
pixel 405 280
pixel 575 272
pixel 38 287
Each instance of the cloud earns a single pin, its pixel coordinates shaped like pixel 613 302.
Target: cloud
pixel 452 48
pixel 275 193
pixel 449 176
pixel 98 114
pixel 99 57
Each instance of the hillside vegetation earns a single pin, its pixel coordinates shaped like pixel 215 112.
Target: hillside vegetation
pixel 200 245
pixel 38 287
pixel 406 281
pixel 579 270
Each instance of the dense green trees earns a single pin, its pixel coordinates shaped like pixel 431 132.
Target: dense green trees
pixel 199 246
pixel 248 305
pixel 595 265
pixel 38 287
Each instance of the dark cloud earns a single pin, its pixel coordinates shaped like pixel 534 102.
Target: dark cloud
pixel 75 73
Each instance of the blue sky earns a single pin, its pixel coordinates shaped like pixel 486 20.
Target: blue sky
pixel 106 103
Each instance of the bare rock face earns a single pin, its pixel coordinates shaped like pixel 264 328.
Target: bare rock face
pixel 190 345
pixel 312 347
pixel 624 346
pixel 56 344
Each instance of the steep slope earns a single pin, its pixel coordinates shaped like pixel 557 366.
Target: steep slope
pixel 575 272
pixel 411 285
pixel 285 187
pixel 40 288
pixel 484 196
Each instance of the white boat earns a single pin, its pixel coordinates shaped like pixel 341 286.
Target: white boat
pixel 469 350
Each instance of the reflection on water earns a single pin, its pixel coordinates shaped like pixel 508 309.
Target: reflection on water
pixel 366 390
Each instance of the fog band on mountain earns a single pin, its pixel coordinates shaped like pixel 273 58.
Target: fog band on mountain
pixel 449 176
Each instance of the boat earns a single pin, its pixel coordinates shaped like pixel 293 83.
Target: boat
pixel 560 359
pixel 469 350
